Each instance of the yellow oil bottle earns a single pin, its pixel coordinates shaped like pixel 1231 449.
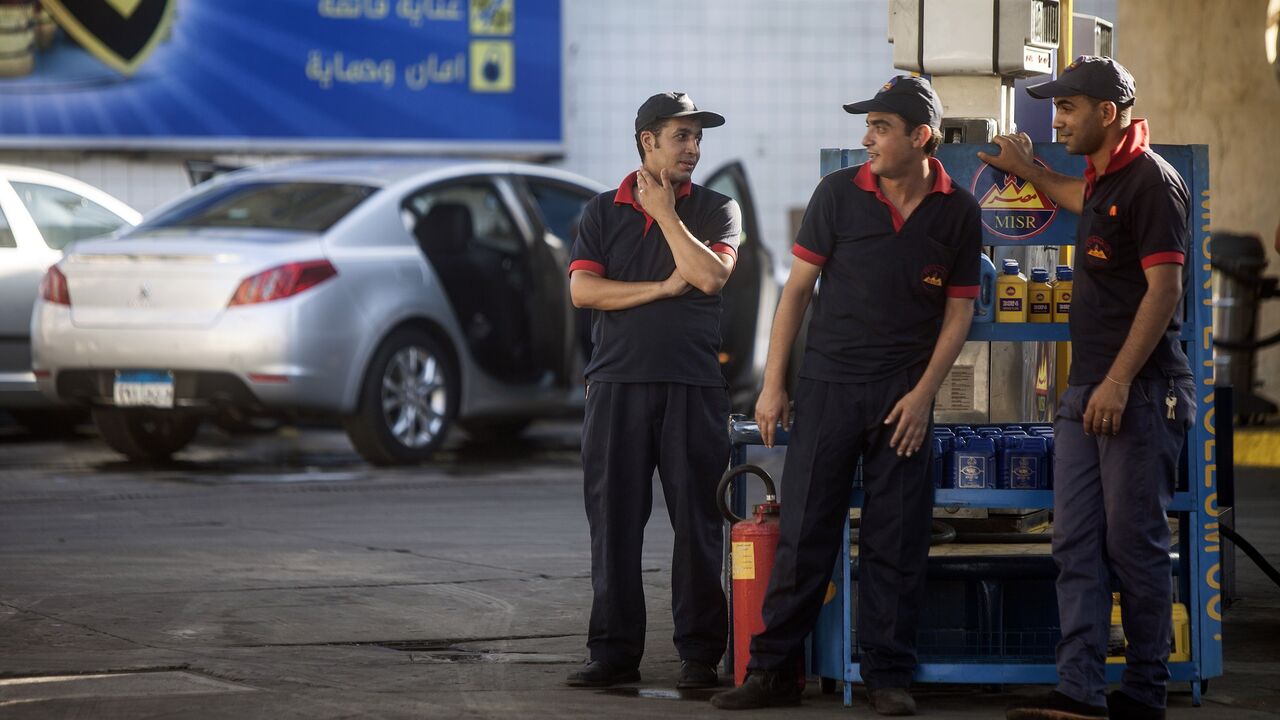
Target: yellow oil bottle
pixel 1062 295
pixel 1039 297
pixel 1011 294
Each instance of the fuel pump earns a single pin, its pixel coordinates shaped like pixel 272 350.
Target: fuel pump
pixel 974 52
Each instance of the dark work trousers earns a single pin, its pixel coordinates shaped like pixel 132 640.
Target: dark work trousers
pixel 834 424
pixel 1110 494
pixel 682 430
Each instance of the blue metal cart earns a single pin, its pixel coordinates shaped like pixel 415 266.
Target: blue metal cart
pixel 1198 564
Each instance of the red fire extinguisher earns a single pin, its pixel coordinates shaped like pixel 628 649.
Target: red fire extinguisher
pixel 753 543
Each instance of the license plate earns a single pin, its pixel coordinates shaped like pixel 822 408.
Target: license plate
pixel 143 388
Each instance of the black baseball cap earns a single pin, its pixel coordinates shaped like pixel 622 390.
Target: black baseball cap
pixel 907 95
pixel 673 105
pixel 1100 78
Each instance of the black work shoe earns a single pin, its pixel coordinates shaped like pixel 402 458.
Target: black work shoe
pixel 1123 707
pixel 598 674
pixel 892 701
pixel 761 689
pixel 1054 706
pixel 697 674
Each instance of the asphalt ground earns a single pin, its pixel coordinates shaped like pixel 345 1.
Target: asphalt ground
pixel 278 576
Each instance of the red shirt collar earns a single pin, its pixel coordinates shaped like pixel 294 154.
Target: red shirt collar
pixel 627 189
pixel 626 196
pixel 1136 140
pixel 866 180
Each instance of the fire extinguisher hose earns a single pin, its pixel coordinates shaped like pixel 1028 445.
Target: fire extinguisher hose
pixel 770 491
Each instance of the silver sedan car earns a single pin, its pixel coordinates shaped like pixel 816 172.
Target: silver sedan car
pixel 40 212
pixel 399 296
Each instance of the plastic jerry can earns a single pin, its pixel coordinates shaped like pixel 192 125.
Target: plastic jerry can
pixel 1039 297
pixel 1024 463
pixel 1011 294
pixel 984 307
pixel 975 464
pixel 941 451
pixel 1062 295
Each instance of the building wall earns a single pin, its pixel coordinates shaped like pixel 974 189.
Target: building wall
pixel 1203 77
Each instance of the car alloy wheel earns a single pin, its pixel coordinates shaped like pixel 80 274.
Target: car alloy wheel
pixel 414 396
pixel 407 400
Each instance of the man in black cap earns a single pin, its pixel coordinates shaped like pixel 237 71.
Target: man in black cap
pixel 896 245
pixel 650 260
pixel 1122 421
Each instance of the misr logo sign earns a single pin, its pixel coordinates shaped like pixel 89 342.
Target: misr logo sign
pixel 120 33
pixel 1012 208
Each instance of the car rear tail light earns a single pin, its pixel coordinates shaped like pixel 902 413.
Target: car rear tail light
pixel 281 282
pixel 53 287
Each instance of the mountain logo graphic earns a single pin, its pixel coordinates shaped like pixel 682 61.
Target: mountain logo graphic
pixel 1097 250
pixel 1012 208
pixel 934 276
pixel 1015 196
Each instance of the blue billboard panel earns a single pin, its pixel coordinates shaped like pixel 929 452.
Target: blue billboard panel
pixel 413 75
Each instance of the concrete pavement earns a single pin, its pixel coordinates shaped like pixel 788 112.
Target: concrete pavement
pixel 281 577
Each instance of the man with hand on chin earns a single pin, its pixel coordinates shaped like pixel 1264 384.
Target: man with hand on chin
pixel 650 260
pixel 896 245
pixel 1130 397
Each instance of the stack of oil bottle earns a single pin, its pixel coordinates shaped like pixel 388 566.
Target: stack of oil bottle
pixel 1015 457
pixel 1009 297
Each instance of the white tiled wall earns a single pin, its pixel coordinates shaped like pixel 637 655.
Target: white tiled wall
pixel 778 70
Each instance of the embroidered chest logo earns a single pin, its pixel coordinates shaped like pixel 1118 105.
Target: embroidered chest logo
pixel 934 276
pixel 1097 250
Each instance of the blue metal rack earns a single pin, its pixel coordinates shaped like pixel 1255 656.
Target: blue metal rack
pixel 1198 572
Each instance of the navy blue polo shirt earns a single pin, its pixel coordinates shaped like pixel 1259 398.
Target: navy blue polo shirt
pixel 670 340
pixel 885 281
pixel 1135 217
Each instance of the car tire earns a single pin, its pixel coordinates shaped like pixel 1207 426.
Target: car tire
pixel 407 401
pixel 145 436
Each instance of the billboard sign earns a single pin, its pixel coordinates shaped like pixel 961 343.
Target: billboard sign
pixel 294 75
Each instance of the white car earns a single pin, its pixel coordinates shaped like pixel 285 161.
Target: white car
pixel 40 212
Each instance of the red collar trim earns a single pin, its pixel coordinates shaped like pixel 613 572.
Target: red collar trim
pixel 866 180
pixel 1136 140
pixel 626 196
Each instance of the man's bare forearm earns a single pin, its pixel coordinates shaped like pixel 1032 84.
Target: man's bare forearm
pixel 700 266
pixel 1017 156
pixel 796 295
pixel 956 320
pixel 1065 190
pixel 1149 325
pixel 590 291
